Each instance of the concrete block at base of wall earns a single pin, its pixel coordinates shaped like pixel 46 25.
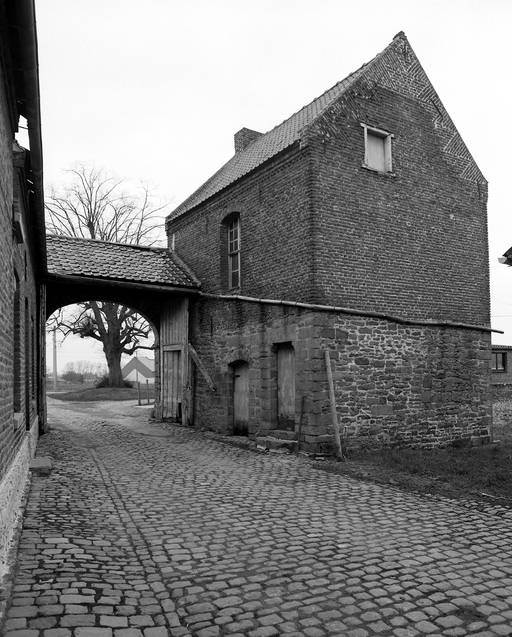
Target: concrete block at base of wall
pixel 41 466
pixel 269 443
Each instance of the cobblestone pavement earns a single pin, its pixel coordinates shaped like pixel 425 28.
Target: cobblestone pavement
pixel 149 530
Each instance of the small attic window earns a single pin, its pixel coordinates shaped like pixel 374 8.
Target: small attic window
pixel 377 149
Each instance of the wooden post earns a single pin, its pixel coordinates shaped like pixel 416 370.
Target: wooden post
pixel 147 389
pixel 138 391
pixel 332 399
pixel 299 432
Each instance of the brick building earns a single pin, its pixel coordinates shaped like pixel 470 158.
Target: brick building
pixel 22 256
pixel 346 229
pixel 501 371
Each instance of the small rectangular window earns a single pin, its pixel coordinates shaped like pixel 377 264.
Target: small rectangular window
pixel 499 362
pixel 377 149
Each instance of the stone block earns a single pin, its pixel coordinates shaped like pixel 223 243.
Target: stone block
pixel 41 466
pixel 382 410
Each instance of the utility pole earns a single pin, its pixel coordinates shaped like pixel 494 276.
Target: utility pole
pixel 54 359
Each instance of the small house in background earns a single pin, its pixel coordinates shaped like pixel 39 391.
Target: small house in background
pixel 140 369
pixel 501 371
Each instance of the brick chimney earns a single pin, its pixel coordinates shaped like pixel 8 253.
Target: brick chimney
pixel 244 137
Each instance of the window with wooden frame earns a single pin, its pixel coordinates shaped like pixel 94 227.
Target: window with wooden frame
pixel 377 149
pixel 234 253
pixel 499 362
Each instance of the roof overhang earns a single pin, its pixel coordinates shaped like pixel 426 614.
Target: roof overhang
pixel 100 283
pixel 148 299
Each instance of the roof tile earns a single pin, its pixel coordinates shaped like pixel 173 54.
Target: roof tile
pixel 76 256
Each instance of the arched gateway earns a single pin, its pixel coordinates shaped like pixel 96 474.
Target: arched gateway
pixel 153 281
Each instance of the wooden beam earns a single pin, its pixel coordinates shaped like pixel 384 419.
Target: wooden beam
pixel 201 367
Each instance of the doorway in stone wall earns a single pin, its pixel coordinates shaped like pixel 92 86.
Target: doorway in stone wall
pixel 286 386
pixel 240 398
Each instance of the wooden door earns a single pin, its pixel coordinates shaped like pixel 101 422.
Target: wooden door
pixel 286 386
pixel 172 397
pixel 241 399
pixel 174 360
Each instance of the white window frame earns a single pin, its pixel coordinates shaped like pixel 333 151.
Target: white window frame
pixel 234 250
pixel 388 154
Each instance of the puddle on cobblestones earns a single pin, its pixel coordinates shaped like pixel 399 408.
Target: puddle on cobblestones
pixel 468 613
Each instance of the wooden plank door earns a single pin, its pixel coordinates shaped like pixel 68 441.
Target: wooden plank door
pixel 286 386
pixel 174 373
pixel 241 399
pixel 172 385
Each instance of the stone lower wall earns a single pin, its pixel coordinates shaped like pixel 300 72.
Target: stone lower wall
pixel 12 488
pixel 394 384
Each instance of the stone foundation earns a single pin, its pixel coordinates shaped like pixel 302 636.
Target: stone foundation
pixel 395 384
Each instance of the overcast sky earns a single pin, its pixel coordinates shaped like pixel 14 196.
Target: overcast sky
pixel 156 90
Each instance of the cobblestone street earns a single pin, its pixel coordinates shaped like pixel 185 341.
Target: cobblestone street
pixel 149 529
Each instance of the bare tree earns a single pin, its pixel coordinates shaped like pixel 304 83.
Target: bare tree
pixel 95 204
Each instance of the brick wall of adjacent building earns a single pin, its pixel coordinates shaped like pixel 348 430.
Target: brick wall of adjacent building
pixel 501 380
pixel 395 384
pixel 18 376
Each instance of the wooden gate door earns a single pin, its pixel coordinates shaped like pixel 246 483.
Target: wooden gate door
pixel 241 399
pixel 174 360
pixel 286 386
pixel 172 397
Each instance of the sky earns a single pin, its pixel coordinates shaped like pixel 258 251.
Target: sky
pixel 156 90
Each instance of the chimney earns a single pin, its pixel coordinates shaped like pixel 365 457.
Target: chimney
pixel 244 137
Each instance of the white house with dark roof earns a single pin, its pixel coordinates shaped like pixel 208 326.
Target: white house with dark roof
pixel 140 369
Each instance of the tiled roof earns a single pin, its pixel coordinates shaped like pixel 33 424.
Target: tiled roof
pixel 270 144
pixel 74 256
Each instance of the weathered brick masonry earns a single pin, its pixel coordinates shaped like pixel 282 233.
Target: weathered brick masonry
pixel 319 226
pixel 19 308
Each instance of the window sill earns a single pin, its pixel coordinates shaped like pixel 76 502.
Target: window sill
pixel 380 172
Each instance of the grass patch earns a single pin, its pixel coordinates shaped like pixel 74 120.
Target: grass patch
pixel 453 472
pixel 104 393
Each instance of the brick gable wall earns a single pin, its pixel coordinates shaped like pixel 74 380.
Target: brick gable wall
pixel 412 243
